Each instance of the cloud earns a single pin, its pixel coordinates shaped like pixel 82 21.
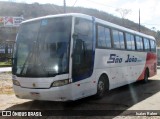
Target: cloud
pixel 149 11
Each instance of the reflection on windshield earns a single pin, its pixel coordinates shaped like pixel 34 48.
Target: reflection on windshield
pixel 43 48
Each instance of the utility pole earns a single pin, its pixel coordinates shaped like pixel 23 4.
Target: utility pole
pixel 64 6
pixel 139 21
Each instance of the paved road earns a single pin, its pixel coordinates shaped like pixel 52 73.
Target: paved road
pixel 137 96
pixel 5 69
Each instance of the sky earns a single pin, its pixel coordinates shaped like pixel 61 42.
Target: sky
pixel 149 9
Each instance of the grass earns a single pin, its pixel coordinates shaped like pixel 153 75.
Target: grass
pixel 5 64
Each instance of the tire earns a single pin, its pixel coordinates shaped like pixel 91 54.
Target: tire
pixel 146 75
pixel 101 87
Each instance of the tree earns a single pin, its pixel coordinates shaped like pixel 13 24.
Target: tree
pixel 123 13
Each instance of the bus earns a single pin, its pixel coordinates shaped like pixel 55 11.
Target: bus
pixel 158 55
pixel 67 57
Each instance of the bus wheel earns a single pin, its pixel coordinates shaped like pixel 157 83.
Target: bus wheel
pixel 146 75
pixel 101 87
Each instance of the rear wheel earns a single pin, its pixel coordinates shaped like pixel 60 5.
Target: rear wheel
pixel 146 75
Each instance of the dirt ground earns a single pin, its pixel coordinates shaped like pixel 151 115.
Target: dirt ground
pixel 6 83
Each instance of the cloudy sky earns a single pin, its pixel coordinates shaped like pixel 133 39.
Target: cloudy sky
pixel 150 9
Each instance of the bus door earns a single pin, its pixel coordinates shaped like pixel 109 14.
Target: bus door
pixel 83 53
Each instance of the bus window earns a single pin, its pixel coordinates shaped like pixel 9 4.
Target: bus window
pixel 153 46
pixel 130 42
pixel 118 39
pixel 121 40
pixel 101 37
pixel 139 43
pixel 104 38
pixel 146 44
pixel 108 37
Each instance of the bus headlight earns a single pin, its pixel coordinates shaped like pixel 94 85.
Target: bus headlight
pixel 60 83
pixel 15 82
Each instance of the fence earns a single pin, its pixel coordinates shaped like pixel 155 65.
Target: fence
pixel 6 50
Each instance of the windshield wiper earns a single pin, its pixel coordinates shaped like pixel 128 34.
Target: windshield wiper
pixel 29 55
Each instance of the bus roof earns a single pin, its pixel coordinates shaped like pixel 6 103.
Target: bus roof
pixel 96 20
pixel 60 15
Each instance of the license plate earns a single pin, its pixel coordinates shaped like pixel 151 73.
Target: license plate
pixel 35 94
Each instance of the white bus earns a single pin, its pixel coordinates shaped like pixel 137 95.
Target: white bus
pixel 71 56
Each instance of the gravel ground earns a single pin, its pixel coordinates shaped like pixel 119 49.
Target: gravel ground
pixel 6 83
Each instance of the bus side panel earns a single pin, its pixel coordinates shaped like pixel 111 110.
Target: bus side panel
pixel 122 67
pixel 151 64
pixel 84 88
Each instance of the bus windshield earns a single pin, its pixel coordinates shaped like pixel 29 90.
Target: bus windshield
pixel 42 48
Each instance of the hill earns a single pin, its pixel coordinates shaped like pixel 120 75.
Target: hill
pixel 36 10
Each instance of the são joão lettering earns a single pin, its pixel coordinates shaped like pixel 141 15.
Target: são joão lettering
pixel 131 59
pixel 116 59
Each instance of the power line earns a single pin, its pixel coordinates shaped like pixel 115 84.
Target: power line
pixel 57 10
pixel 74 3
pixel 151 24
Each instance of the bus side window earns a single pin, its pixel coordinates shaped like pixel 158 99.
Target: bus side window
pixel 118 39
pixel 139 43
pixel 121 40
pixel 130 42
pixel 146 44
pixel 104 37
pixel 101 37
pixel 108 37
pixel 153 46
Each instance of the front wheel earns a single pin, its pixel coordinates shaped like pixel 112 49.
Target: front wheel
pixel 101 87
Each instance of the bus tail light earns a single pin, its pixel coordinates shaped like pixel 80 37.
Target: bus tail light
pixel 15 82
pixel 60 83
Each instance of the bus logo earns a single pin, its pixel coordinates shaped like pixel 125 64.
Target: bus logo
pixel 114 59
pixel 117 59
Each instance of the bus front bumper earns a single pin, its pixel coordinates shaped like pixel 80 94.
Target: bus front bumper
pixel 63 93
